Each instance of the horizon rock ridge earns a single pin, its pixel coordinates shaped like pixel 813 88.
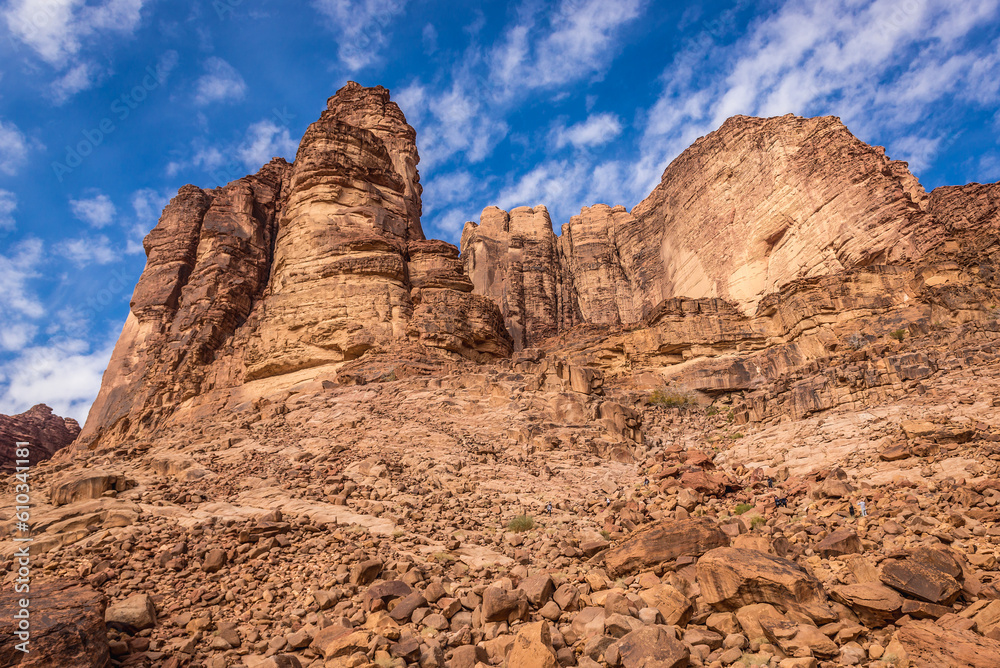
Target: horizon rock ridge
pixel 323 261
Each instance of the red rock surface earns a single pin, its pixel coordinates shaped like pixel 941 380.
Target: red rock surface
pixel 45 432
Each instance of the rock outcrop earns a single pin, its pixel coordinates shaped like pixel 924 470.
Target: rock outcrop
pixel 38 426
pixel 745 211
pixel 299 266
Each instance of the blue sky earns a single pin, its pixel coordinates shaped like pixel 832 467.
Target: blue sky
pixel 107 107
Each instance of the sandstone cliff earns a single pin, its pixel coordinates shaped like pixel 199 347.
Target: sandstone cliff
pixel 45 432
pixel 299 266
pixel 744 211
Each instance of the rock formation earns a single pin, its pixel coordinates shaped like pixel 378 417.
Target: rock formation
pixel 753 422
pixel 745 211
pixel 46 433
pixel 296 267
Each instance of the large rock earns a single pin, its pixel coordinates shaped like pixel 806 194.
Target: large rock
pixel 731 578
pixel 44 432
pixel 297 267
pixel 653 647
pixel 664 541
pixel 919 580
pixel 928 645
pixel 85 485
pixel 875 605
pixel 66 626
pixel 135 613
pixel 532 648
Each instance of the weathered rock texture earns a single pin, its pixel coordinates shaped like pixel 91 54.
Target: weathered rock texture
pixel 296 267
pixel 45 433
pixel 745 211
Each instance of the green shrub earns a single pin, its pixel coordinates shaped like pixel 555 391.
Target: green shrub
pixel 742 508
pixel 899 334
pixel 757 521
pixel 670 399
pixel 712 410
pixel 521 523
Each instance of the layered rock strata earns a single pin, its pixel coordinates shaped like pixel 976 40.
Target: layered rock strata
pixel 299 266
pixel 746 210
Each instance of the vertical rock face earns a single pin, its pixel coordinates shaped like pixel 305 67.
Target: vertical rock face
pixel 762 202
pixel 513 258
pixel 746 210
pixel 298 266
pixel 45 432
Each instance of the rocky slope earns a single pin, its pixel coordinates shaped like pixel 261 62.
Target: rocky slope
pixel 327 441
pixel 45 432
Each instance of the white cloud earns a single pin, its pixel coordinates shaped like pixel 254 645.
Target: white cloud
pixel 596 130
pixel 16 335
pixel 220 83
pixel 79 78
pixel 579 39
pixel 266 140
pixel 97 211
pixel 147 204
pixel 880 66
pixel 16 270
pixel 360 27
pixel 86 251
pixel 64 374
pixel 8 204
pixel 55 29
pixel 13 148
pixel 59 30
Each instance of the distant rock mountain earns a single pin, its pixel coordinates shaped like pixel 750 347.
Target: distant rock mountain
pixel 743 212
pixel 46 433
pixel 320 269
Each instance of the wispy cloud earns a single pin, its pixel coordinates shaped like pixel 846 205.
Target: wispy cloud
pixel 360 27
pixel 65 374
pixel 596 130
pixel 265 140
pixel 97 211
pixel 13 148
pixel 87 250
pixel 147 205
pixel 59 31
pixel 220 83
pixel 8 204
pixel 579 39
pixel 16 270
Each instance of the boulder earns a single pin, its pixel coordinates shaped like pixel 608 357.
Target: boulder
pixel 918 580
pixel 675 608
pixel 532 648
pixel 930 645
pixel 66 624
pixel 135 613
pixel 84 485
pixel 730 578
pixel 875 605
pixel 839 543
pixel 652 647
pixel 663 541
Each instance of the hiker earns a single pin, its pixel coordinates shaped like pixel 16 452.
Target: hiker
pixel 863 508
pixel 548 507
pixel 646 482
pixel 850 506
pixel 607 500
pixel 781 503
